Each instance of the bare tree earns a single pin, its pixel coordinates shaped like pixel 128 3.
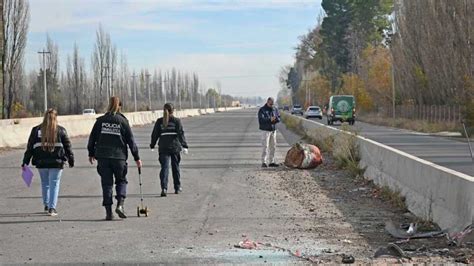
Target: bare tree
pixel 16 19
pixel 76 81
pixel 100 60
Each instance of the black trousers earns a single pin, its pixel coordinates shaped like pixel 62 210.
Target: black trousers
pixel 165 159
pixel 108 169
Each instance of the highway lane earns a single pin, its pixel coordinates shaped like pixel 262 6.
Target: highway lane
pixel 201 225
pixel 443 151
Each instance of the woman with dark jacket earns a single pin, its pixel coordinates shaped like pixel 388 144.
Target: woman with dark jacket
pixel 108 143
pixel 49 148
pixel 170 133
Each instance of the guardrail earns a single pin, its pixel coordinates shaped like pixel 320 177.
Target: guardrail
pixel 15 132
pixel 432 192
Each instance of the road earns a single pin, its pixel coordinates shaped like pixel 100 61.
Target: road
pixel 227 198
pixel 443 151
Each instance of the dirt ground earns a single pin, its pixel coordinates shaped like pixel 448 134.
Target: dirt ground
pixel 349 216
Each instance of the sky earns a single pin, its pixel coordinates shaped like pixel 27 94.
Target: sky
pixel 241 44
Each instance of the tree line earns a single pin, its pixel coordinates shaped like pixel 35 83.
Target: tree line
pixel 73 87
pixel 385 51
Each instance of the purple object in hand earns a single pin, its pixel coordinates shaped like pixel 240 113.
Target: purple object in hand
pixel 27 175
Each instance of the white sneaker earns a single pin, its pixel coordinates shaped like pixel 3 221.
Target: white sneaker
pixel 52 212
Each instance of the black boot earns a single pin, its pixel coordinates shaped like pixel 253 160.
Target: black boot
pixel 108 213
pixel 119 210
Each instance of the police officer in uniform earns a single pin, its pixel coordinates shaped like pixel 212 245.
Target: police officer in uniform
pixel 170 133
pixel 108 143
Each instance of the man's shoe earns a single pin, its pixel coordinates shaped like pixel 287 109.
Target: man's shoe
pixel 108 213
pixel 177 191
pixel 274 165
pixel 163 193
pixel 264 165
pixel 52 212
pixel 46 208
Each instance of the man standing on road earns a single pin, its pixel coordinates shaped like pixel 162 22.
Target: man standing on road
pixel 108 144
pixel 268 117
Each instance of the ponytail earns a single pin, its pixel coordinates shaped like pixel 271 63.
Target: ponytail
pixel 114 105
pixel 168 110
pixel 49 129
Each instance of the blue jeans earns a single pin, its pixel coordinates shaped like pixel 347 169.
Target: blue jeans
pixel 165 159
pixel 50 180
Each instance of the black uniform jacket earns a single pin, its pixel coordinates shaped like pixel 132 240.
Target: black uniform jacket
pixel 171 138
pixel 110 136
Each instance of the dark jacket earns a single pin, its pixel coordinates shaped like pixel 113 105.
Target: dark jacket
pixel 110 136
pixel 44 159
pixel 265 115
pixel 171 138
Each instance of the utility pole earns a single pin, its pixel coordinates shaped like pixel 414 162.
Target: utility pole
pixel 43 54
pixel 147 76
pixel 134 90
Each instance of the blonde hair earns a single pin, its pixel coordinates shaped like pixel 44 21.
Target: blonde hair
pixel 114 105
pixel 49 130
pixel 167 112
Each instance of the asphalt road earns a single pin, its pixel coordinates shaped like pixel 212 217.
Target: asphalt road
pixel 443 151
pixel 217 207
pixel 227 198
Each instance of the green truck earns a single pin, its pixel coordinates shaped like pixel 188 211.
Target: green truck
pixel 341 108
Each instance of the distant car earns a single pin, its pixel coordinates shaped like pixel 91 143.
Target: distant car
pixel 341 108
pixel 88 112
pixel 286 108
pixel 313 111
pixel 297 110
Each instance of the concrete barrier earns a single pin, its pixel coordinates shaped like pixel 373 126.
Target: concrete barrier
pixel 432 192
pixel 15 132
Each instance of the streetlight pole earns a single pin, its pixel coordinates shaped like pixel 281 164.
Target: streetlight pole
pixel 43 54
pixel 134 90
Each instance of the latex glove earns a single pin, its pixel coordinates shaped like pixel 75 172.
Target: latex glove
pixel 185 151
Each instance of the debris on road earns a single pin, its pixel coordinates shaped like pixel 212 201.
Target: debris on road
pixel 464 236
pixel 347 259
pixel 247 244
pixel 303 156
pixel 411 233
pixel 392 250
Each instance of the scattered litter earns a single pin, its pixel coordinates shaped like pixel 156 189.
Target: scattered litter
pixel 360 189
pixel 402 234
pixel 347 241
pixel 267 236
pixel 464 236
pixel 391 250
pixel 303 156
pixel 347 259
pixel 247 244
pixel 464 259
pixel 328 250
pixel 412 229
